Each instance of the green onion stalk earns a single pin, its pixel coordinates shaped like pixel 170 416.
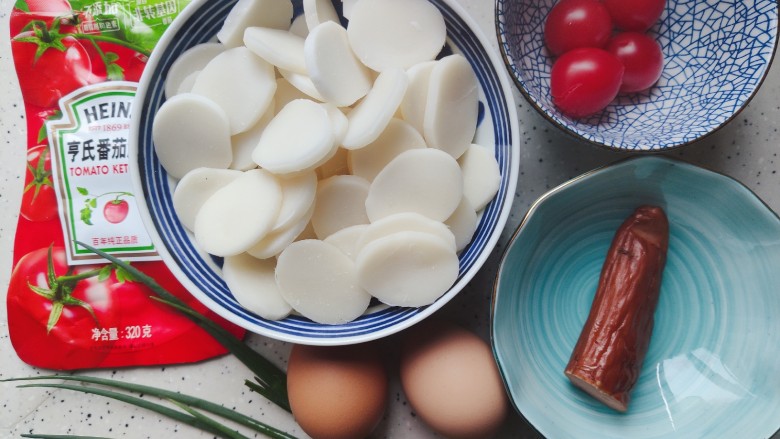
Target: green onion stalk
pixel 269 381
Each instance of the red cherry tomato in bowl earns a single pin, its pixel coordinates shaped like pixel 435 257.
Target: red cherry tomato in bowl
pixel 584 81
pixel 577 23
pixel 635 15
pixel 39 201
pixel 642 58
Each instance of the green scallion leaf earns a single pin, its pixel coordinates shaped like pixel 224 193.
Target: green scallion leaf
pixel 138 402
pixel 189 400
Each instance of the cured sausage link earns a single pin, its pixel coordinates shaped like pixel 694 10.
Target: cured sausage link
pixel 608 356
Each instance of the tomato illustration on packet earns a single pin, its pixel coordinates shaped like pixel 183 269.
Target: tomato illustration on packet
pixel 78 63
pixel 58 49
pixel 49 64
pixel 115 210
pixel 50 301
pixel 39 202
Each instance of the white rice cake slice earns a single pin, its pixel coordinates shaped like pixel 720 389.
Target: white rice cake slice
pixel 407 268
pixel 346 8
pixel 280 48
pixel 298 195
pixel 180 77
pixel 277 240
pixel 191 131
pixel 195 188
pixel 275 14
pixel 347 239
pixel 416 98
pixel 244 143
pixel 334 69
pixel 320 282
pixel 426 181
pixel 341 202
pixel 252 282
pixel 298 138
pixel 406 222
pixel 239 215
pixel 398 137
pixel 241 83
pixel 370 116
pixel 463 223
pixel 452 106
pixel 481 175
pixel 396 33
pixel 299 26
pixel 317 12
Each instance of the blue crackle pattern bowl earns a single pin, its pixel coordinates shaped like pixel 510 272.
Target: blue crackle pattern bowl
pixel 201 273
pixel 712 368
pixel 717 53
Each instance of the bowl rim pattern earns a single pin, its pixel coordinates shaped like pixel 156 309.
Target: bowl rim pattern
pixel 511 66
pixel 377 323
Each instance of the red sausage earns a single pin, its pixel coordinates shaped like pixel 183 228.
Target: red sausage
pixel 608 356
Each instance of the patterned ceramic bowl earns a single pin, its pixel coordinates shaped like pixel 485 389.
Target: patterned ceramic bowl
pixel 711 369
pixel 716 52
pixel 201 273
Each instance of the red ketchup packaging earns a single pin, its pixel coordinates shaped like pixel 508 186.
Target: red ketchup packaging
pixel 78 63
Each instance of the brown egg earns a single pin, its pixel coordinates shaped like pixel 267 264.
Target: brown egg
pixel 337 391
pixel 452 381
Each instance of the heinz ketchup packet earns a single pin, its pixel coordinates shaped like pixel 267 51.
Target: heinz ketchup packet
pixel 78 64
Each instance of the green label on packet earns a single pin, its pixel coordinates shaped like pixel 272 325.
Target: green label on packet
pixel 89 151
pixel 139 22
pixel 90 166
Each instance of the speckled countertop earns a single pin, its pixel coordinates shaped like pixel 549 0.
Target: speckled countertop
pixel 746 149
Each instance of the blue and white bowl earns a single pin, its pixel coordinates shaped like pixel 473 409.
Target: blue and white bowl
pixel 712 366
pixel 201 274
pixel 716 52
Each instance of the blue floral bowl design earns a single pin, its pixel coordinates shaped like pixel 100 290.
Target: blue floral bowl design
pixel 714 356
pixel 201 274
pixel 717 53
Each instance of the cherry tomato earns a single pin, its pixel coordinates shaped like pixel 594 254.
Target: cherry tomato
pixel 577 23
pixel 585 80
pixel 39 201
pixel 49 65
pixel 641 56
pixel 635 15
pixel 115 211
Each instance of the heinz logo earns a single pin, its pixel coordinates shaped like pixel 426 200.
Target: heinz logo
pixel 107 110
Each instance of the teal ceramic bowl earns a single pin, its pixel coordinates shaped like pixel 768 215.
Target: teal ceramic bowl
pixel 713 366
